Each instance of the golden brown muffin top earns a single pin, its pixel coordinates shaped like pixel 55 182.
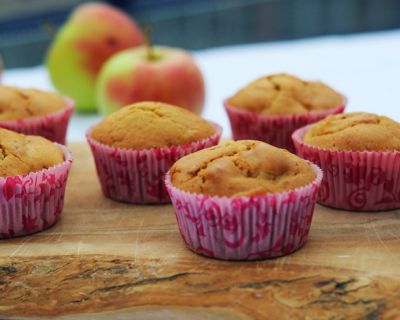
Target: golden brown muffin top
pixel 285 94
pixel 21 154
pixel 27 103
pixel 355 131
pixel 147 125
pixel 238 168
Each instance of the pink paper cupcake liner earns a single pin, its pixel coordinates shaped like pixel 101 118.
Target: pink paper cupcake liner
pixel 52 126
pixel 33 202
pixel 137 176
pixel 354 180
pixel 245 228
pixel 273 129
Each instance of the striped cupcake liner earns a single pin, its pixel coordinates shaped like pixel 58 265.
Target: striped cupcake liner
pixel 354 180
pixel 136 176
pixel 33 202
pixel 273 129
pixel 245 228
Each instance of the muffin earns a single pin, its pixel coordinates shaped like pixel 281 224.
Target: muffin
pixel 359 154
pixel 269 109
pixel 357 131
pixel 33 176
pixel 134 147
pixel 32 111
pixel 243 200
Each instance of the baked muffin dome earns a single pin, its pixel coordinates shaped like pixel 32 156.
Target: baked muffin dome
pixel 21 154
pixel 146 125
pixel 285 94
pixel 237 168
pixel 355 131
pixel 18 104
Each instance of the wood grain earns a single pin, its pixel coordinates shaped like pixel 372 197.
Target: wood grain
pixel 106 259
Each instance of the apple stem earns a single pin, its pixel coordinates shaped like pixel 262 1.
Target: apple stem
pixel 149 43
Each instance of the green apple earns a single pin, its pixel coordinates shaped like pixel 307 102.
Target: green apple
pixel 160 74
pixel 92 34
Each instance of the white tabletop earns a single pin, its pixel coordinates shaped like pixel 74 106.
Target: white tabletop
pixel 365 68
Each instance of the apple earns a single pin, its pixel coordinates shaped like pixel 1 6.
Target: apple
pixel 93 33
pixel 161 74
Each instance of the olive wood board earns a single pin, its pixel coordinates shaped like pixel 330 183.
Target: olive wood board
pixel 110 260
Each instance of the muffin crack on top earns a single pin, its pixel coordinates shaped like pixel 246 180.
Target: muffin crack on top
pixel 285 94
pixel 239 163
pixel 356 131
pixel 27 103
pixel 240 168
pixel 5 152
pixel 199 171
pixel 21 154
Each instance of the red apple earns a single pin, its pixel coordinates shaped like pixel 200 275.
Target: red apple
pixel 160 74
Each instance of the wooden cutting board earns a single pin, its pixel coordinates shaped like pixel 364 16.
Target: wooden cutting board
pixel 106 259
